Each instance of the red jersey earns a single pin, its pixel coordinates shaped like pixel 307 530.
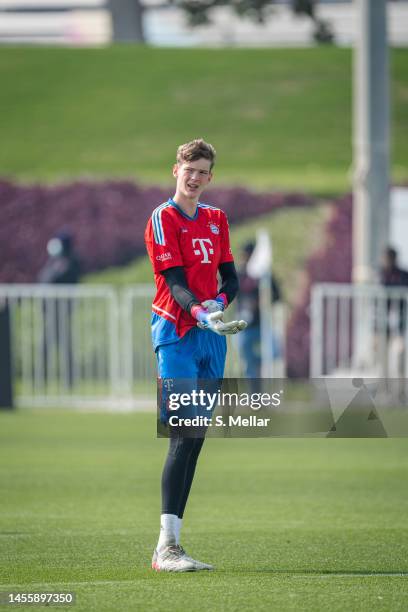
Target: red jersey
pixel 199 244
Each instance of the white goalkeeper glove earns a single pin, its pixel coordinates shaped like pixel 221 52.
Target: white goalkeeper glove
pixel 213 321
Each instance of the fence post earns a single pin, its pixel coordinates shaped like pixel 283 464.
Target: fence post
pixel 316 332
pixel 6 370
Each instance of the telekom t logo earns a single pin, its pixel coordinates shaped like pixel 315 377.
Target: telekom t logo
pixel 202 250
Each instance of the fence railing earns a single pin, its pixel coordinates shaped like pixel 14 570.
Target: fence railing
pixel 359 330
pixel 64 343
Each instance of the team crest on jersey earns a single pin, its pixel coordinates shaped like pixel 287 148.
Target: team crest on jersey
pixel 214 228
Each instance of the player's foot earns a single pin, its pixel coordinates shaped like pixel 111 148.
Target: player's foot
pixel 172 559
pixel 188 564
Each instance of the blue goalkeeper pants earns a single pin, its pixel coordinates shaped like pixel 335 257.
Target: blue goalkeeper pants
pixel 197 360
pixel 199 354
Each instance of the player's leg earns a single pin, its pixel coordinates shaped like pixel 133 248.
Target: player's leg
pixel 212 351
pixel 211 356
pixel 175 361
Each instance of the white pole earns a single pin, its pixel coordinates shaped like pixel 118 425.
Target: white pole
pixel 316 332
pixel 371 140
pixel 259 267
pixel 265 313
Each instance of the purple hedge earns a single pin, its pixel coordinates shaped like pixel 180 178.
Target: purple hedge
pixel 107 220
pixel 332 263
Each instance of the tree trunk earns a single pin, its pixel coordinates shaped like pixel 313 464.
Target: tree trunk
pixel 127 20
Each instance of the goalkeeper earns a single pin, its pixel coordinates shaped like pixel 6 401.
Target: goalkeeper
pixel 188 245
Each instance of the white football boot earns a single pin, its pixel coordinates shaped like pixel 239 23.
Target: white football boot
pixel 174 559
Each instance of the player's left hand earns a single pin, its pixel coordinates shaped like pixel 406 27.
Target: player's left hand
pixel 232 327
pixel 218 326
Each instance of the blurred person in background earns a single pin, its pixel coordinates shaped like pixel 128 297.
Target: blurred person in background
pixel 392 276
pixel 249 341
pixel 62 267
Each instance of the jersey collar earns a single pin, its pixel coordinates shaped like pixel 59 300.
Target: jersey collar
pixel 193 218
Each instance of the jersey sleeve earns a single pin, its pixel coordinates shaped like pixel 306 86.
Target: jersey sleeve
pixel 161 237
pixel 226 253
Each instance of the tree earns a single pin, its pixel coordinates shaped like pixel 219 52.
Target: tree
pixel 323 33
pixel 198 13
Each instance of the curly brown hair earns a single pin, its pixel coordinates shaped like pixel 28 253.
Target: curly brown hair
pixel 194 150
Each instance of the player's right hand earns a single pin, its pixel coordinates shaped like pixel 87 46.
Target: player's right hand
pixel 213 321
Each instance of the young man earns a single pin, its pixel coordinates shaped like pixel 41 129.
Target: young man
pixel 188 244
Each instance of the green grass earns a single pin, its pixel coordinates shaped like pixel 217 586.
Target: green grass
pixel 294 233
pixel 278 117
pixel 290 524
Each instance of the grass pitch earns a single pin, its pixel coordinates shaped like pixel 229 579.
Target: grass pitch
pixel 291 524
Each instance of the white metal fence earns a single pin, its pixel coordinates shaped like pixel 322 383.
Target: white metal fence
pixel 63 343
pixel 78 345
pixel 359 330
